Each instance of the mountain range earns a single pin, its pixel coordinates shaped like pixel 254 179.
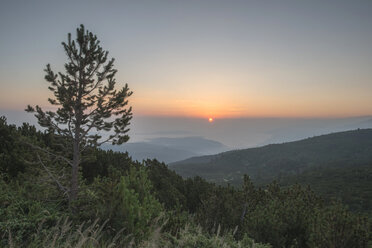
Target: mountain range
pixel 168 150
pixel 274 161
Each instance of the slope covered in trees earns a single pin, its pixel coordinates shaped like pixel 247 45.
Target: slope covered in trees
pixel 123 203
pixel 264 164
pixel 352 185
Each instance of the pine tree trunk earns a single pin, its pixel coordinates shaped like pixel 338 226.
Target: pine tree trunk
pixel 75 172
pixel 76 145
pixel 76 155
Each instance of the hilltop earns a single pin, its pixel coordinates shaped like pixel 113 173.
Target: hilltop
pixel 275 161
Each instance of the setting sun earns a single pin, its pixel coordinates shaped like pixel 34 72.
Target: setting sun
pixel 210 119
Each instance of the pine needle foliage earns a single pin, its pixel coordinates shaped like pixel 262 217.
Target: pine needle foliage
pixel 87 102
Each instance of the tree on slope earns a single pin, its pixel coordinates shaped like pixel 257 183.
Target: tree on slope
pixel 89 110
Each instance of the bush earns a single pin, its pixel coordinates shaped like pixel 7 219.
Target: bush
pixel 127 203
pixel 21 212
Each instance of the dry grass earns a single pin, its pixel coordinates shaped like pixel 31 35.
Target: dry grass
pixel 67 235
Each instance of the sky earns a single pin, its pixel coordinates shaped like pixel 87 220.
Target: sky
pixel 265 71
pixel 201 59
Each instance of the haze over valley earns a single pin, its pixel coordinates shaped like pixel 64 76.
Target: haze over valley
pixel 170 139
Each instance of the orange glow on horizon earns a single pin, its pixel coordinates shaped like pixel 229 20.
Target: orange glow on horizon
pixel 214 105
pixel 252 107
pixel 210 119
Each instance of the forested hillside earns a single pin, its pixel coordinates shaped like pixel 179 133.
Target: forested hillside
pixel 352 185
pixel 123 203
pixel 336 166
pixel 264 164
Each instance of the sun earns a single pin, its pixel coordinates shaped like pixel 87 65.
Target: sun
pixel 210 119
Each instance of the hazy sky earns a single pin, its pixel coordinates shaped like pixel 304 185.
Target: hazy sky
pixel 202 58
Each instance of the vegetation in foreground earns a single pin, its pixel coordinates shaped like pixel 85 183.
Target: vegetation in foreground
pixel 124 203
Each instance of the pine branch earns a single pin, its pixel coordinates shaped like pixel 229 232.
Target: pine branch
pixel 107 140
pixel 59 185
pixel 48 152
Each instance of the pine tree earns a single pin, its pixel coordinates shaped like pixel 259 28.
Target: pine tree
pixel 86 100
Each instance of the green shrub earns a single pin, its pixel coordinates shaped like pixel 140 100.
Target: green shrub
pixel 127 203
pixel 22 213
pixel 335 226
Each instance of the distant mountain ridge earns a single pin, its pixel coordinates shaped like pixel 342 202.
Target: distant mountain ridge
pixel 269 162
pixel 168 150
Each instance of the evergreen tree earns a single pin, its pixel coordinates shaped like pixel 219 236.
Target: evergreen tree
pixel 87 102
